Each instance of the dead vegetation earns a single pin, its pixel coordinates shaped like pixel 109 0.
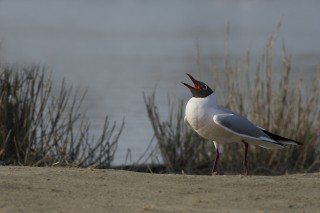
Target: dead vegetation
pixel 39 127
pixel 290 107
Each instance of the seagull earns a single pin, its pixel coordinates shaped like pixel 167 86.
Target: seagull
pixel 220 125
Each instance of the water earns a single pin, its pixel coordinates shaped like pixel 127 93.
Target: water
pixel 119 49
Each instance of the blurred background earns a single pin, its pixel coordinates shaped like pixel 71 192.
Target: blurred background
pixel 117 49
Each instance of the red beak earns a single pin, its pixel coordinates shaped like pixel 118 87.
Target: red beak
pixel 195 82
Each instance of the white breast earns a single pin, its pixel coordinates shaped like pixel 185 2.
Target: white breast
pixel 199 114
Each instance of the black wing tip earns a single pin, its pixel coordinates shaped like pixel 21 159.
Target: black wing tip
pixel 298 143
pixel 282 139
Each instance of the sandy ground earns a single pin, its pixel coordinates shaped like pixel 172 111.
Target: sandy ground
pixel 31 189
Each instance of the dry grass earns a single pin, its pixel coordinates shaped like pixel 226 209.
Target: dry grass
pixel 39 127
pixel 289 105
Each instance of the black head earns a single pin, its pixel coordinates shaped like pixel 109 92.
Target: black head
pixel 200 89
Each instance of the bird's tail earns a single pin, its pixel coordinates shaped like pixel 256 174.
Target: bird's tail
pixel 280 139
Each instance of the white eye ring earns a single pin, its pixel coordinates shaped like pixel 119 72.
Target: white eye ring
pixel 204 87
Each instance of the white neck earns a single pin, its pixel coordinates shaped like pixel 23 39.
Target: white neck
pixel 209 101
pixel 212 99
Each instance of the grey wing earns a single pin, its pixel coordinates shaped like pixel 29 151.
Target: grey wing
pixel 242 127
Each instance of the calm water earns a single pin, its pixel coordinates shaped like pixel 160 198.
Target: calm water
pixel 118 49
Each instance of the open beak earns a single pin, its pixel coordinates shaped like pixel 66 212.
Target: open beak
pixel 195 82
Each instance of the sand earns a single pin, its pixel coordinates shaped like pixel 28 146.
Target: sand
pixel 34 189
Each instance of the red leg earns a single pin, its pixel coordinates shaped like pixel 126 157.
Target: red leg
pixel 216 158
pixel 245 162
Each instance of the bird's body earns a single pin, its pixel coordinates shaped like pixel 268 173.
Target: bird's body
pixel 199 115
pixel 221 125
pixel 210 121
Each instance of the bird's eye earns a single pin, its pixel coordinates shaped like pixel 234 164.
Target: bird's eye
pixel 204 87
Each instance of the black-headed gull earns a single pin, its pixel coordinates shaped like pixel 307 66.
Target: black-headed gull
pixel 221 125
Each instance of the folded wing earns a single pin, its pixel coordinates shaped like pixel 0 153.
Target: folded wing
pixel 247 131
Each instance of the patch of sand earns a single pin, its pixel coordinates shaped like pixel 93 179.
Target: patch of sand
pixel 34 189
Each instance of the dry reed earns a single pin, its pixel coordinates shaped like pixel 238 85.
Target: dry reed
pixel 281 104
pixel 39 127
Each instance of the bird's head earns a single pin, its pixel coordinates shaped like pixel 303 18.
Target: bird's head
pixel 200 89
